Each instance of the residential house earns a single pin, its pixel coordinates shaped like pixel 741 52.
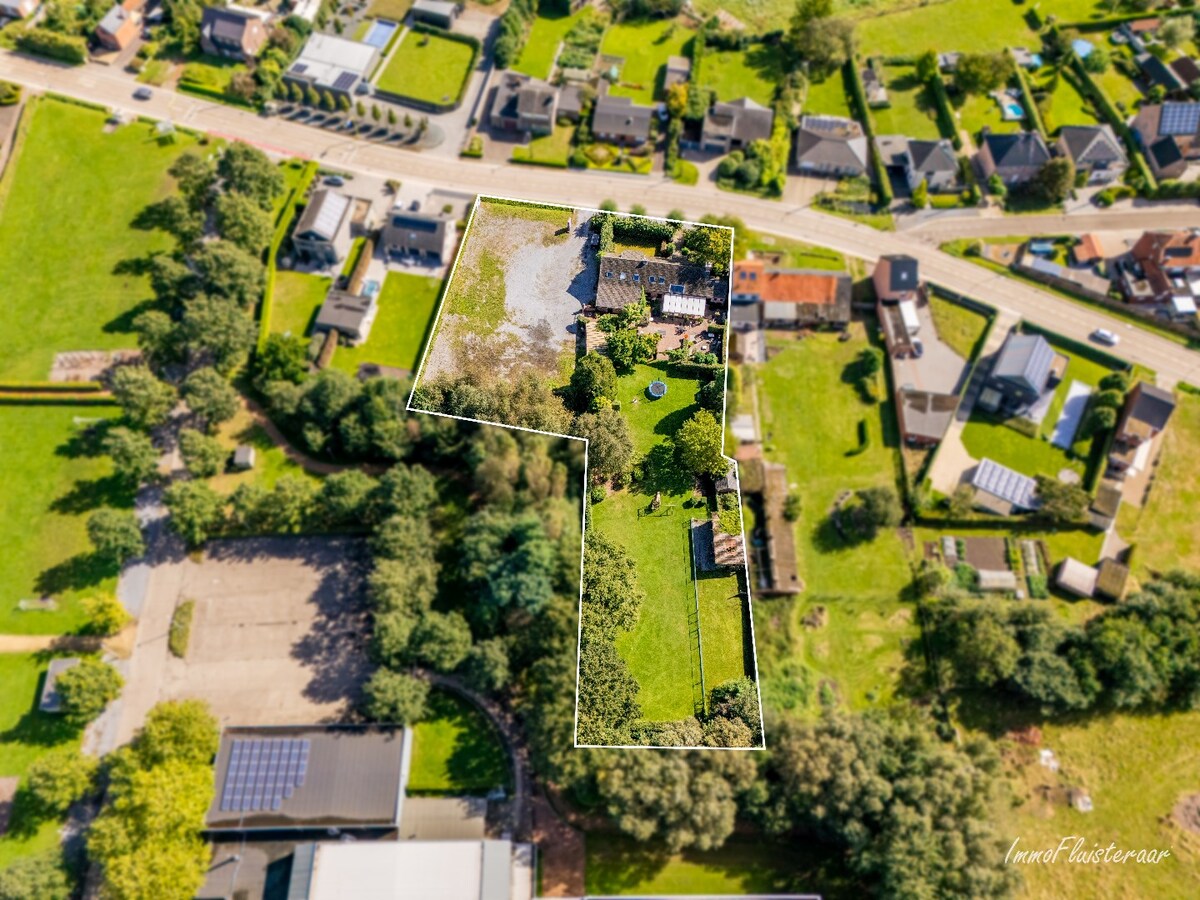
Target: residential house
pixel 793 298
pixel 521 103
pixel 1187 70
pixel 1166 265
pixel 830 145
pixel 679 70
pixel 1144 417
pixel 18 9
pixel 350 315
pixel 1023 371
pixel 570 103
pixel 677 282
pixel 1169 133
pixel 1159 74
pixel 1089 251
pixel 1138 32
pixel 734 125
pixel 438 13
pixel 331 64
pixel 1095 150
pixel 924 416
pixel 323 233
pixel 410 232
pixel 896 278
pixel 875 89
pixel 933 162
pixel 1105 505
pixel 1000 490
pixel 232 32
pixel 120 26
pixel 618 120
pixel 1015 158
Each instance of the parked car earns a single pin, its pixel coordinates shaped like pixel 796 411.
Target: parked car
pixel 335 180
pixel 918 348
pixel 1104 336
pixel 143 93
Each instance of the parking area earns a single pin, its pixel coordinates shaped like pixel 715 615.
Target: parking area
pixel 279 630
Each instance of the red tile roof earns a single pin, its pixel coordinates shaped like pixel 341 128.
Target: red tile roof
pixel 781 286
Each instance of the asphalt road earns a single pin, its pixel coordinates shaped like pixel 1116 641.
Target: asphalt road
pixel 114 88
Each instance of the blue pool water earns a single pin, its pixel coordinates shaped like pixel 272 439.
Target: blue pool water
pixel 371 288
pixel 380 33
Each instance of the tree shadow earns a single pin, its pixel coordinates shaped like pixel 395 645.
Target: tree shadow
pixel 123 323
pixel 670 423
pixel 661 472
pixel 83 570
pixel 86 495
pixel 85 442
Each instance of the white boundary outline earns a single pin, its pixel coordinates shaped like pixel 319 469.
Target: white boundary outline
pixel 583 513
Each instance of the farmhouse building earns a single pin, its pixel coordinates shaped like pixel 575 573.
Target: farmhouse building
pixel 624 277
pixel 619 121
pixel 1023 371
pixel 793 298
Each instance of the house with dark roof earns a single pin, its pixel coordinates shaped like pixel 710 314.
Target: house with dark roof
pixel 410 232
pixel 624 277
pixel 438 13
pixel 896 277
pixel 1094 149
pixel 933 162
pixel 323 233
pixel 1022 372
pixel 1187 70
pixel 350 315
pixel 1144 417
pixel 618 120
pixel 232 33
pixel 1016 158
pixel 1158 74
pixel 523 103
pixel 734 125
pixel 793 298
pixel 924 416
pixel 1168 263
pixel 1169 133
pixel 832 146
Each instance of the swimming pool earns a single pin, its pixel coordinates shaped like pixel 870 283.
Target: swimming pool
pixel 371 288
pixel 380 33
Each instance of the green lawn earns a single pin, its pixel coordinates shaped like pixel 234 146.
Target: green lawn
pixel 550 148
pixel 211 73
pixel 984 435
pixel 974 111
pixel 1064 106
pixel 799 255
pixel 270 462
pixel 395 10
pixel 645 47
pixel 406 308
pixel 69 172
pixel 961 328
pixel 537 56
pixel 733 74
pixel 965 25
pixel 50 486
pixel 1118 86
pixel 456 751
pixel 912 111
pixel 298 297
pixel 427 67
pixel 827 98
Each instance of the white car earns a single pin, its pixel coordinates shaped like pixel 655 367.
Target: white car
pixel 1104 336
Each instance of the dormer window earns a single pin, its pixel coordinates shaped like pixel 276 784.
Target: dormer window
pixel 608 274
pixel 677 289
pixel 637 278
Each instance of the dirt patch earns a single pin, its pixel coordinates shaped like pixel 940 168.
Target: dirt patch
pixel 1187 813
pixel 816 618
pixel 8 790
pixel 987 553
pixel 89 365
pixel 561 849
pixel 900 617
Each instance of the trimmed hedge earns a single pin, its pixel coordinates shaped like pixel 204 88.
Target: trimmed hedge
pixel 858 97
pixel 522 155
pixel 51 44
pixel 945 112
pixel 180 634
pixel 51 387
pixel 1032 113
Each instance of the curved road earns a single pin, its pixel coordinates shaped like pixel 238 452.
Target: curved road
pixel 113 88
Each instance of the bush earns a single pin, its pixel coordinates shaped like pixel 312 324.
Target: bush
pixel 43 42
pixel 181 628
pixel 10 93
pixel 59 778
pixel 105 614
pixel 1039 587
pixel 87 689
pixel 966 577
pixel 598 493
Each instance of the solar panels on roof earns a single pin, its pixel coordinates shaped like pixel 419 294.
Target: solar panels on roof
pixel 262 773
pixel 1001 481
pixel 300 68
pixel 1179 118
pixel 415 224
pixel 344 81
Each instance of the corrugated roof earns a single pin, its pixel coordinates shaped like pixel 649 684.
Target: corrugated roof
pixel 1001 481
pixel 1025 358
pixel 323 216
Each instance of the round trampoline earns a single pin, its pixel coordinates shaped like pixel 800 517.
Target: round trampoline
pixel 657 389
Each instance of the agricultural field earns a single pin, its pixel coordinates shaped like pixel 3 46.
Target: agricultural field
pixel 456 751
pixel 645 47
pixel 68 170
pixel 407 305
pixel 53 478
pixel 427 68
pixel 912 110
pixel 732 74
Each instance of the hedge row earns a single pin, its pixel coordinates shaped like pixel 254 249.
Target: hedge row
pixel 51 387
pixel 55 400
pixel 281 230
pixel 1032 113
pixel 522 155
pixel 945 112
pixel 1121 18
pixel 455 36
pixel 43 42
pixel 858 95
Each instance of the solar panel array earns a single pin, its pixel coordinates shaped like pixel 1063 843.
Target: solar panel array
pixel 262 773
pixel 300 68
pixel 1180 118
pixel 344 81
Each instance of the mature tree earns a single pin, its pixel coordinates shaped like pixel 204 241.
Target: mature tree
pixel 57 779
pixel 981 73
pixel 698 445
pixel 144 399
pixel 156 337
pixel 880 507
pixel 608 694
pixel 1177 32
pixel 345 498
pixel 927 67
pixel 722 732
pixel 210 396
pixel 282 358
pixel 1112 398
pixel 1055 180
pixel 486 667
pixel 823 43
pixel 37 877
pixel 1061 503
pixel 962 501
pixel 392 637
pixel 196 510
pixel 612 596
pixel 173 280
pixel 1098 61
pixel 509 560
pixel 229 271
pixel 241 221
pixel 133 454
pixel 404 491
pixel 178 730
pixel 195 175
pixel 87 688
pixel 395 697
pixel 442 640
pixel 106 615
pixel 1114 381
pixel 610 444
pixel 709 244
pixel 203 456
pixel 115 535
pixel 1099 419
pixel 218 328
pixel 174 216
pixel 627 348
pixel 247 170
pixel 738 699
pixel 712 395
pixel 593 381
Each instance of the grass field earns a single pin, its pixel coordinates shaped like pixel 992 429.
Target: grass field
pixel 298 297
pixel 210 72
pixel 912 111
pixel 733 74
pixel 799 255
pixel 645 47
pixel 70 172
pixel 428 68
pixel 971 25
pixel 986 436
pixel 827 98
pixel 49 489
pixel 537 56
pixel 1064 106
pixel 550 148
pixel 270 462
pixel 406 307
pixel 961 328
pixel 456 751
pixel 395 10
pixel 974 111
